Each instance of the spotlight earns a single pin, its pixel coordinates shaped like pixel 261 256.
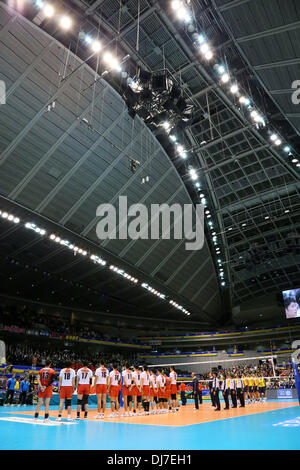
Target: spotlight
pixel 49 11
pixel 88 39
pixel 204 48
pixel 278 142
pixel 176 4
pixel 201 38
pixel 65 22
pixel 234 89
pixel 274 137
pixel 5 215
pixel 244 100
pixel 183 14
pixel 225 78
pixel 221 69
pixel 16 220
pixel 287 149
pixel 96 46
pixel 208 55
pixel 107 57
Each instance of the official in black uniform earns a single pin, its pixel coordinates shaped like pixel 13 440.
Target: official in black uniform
pixel 225 392
pixel 240 391
pixel 232 386
pixel 196 391
pixel 210 385
pixel 215 391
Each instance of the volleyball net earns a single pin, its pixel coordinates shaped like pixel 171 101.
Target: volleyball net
pixel 262 366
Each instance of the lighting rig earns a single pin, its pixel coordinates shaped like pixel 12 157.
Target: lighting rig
pixel 158 99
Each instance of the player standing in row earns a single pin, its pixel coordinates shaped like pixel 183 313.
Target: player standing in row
pixel 153 392
pixel 113 390
pixel 127 390
pixel 84 381
pixel 173 378
pixel 45 378
pixel 136 391
pixel 145 388
pixel 161 385
pixel 66 387
pixel 101 385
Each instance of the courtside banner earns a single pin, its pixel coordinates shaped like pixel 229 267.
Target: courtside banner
pixel 284 393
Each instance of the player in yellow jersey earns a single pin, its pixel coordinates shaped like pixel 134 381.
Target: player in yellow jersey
pixel 250 386
pixel 255 389
pixel 262 388
pixel 246 388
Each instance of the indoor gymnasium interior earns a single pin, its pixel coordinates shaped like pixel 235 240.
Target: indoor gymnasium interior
pixel 149 227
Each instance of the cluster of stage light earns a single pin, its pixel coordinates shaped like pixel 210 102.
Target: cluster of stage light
pixel 182 12
pixel 10 217
pixel 35 228
pixel 65 22
pixel 67 244
pixel 123 273
pixel 180 307
pixel 98 260
pixel 153 291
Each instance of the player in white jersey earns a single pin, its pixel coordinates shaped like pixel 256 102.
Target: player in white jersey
pixel 145 388
pixel 161 385
pixel 173 379
pixel 101 383
pixel 66 387
pixel 127 390
pixel 136 391
pixel 84 381
pixel 113 390
pixel 153 392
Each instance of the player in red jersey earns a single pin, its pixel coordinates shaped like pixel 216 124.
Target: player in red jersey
pixel 145 388
pixel 66 387
pixel 173 380
pixel 153 392
pixel 136 391
pixel 113 390
pixel 168 392
pixel 45 378
pixel 127 390
pixel 161 385
pixel 101 383
pixel 84 380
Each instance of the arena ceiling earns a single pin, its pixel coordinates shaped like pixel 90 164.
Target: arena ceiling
pixel 252 188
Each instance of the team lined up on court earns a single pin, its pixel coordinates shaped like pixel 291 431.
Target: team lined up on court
pixel 238 388
pixel 144 392
pixel 156 394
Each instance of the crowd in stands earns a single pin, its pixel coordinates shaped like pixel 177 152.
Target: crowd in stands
pixel 36 323
pixel 29 355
